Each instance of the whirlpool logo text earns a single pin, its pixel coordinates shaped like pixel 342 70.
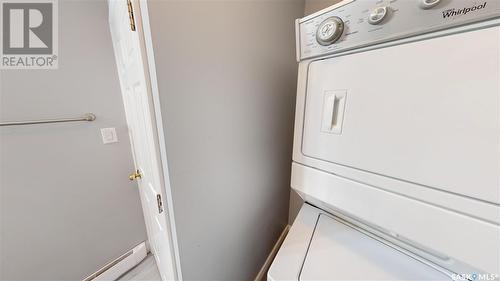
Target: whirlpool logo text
pixel 455 12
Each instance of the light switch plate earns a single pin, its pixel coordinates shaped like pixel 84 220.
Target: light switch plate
pixel 109 135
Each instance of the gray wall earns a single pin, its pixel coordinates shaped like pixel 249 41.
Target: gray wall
pixel 227 81
pixel 67 206
pixel 312 6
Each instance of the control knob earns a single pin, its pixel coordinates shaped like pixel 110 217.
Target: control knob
pixel 378 15
pixel 427 4
pixel 329 31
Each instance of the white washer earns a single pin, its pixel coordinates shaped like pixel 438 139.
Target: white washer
pixel 397 143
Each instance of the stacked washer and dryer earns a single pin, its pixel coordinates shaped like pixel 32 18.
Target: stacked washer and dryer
pixel 397 143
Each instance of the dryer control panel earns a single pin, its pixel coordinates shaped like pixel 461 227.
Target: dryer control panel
pixel 358 23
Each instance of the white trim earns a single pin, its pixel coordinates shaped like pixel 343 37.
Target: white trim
pixel 116 268
pixel 297 40
pixel 148 41
pixel 267 264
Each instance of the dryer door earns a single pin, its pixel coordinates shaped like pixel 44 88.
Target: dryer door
pixel 425 112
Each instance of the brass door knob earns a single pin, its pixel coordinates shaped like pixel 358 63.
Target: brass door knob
pixel 135 175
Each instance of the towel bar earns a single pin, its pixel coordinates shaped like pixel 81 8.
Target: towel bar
pixel 86 117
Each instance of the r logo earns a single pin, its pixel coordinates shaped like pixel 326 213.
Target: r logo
pixel 27 28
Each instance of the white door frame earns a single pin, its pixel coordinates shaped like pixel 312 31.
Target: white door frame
pixel 144 30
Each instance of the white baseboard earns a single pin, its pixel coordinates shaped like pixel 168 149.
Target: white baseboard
pixel 119 266
pixel 272 254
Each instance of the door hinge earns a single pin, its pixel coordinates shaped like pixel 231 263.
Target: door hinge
pixel 131 15
pixel 160 203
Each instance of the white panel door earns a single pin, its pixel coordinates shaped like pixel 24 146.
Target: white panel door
pixel 138 109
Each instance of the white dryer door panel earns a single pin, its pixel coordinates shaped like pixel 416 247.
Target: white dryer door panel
pixel 426 112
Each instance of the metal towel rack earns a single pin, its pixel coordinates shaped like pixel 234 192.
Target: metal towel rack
pixel 86 117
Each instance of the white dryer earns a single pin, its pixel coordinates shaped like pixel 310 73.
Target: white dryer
pixel 397 143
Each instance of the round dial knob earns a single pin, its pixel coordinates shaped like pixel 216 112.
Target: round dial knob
pixel 427 4
pixel 377 15
pixel 329 31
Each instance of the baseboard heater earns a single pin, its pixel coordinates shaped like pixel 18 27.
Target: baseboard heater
pixel 119 266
